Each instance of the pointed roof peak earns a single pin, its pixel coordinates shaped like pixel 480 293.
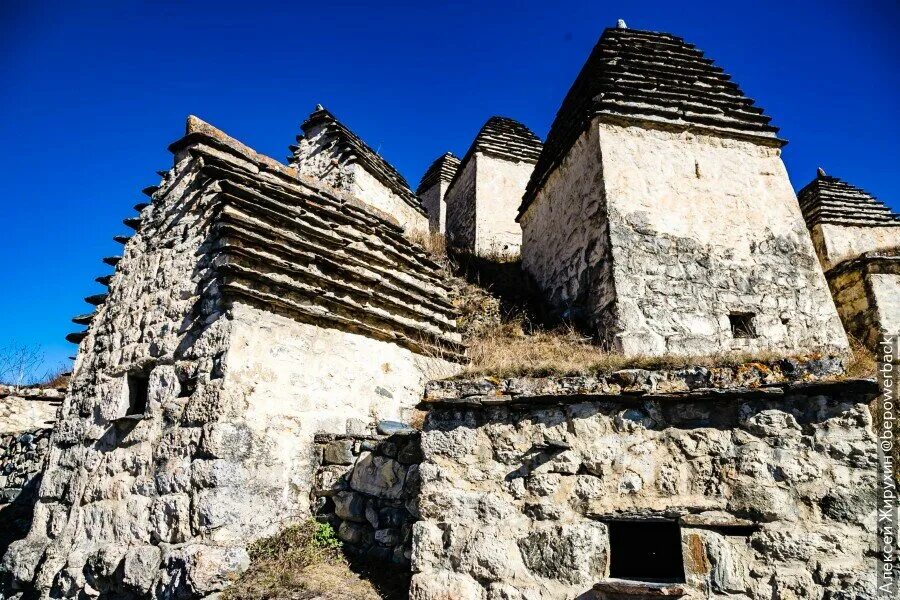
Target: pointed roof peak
pixel 650 79
pixel 443 168
pixel 830 200
pixel 356 150
pixel 620 24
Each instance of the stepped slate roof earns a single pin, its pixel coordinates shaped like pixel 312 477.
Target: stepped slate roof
pixel 502 137
pixel 829 200
pixel 356 150
pixel 645 76
pixel 442 169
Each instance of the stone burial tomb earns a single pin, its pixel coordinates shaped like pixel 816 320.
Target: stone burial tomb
pixel 661 215
pixel 330 152
pixel 752 482
pixel 251 310
pixel 483 197
pixel 857 239
pixel 432 190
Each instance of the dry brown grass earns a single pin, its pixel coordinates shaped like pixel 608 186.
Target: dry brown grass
pixel 303 562
pixel 434 244
pixel 862 362
pixel 507 351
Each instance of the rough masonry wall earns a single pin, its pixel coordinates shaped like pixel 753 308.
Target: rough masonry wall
pixel 367 488
pixel 27 416
pixel 461 215
pixel 700 227
pixel 774 495
pixel 117 504
pixel 866 292
pixel 837 243
pixel 22 457
pixel 499 188
pixel 243 307
pixel 435 204
pixel 565 238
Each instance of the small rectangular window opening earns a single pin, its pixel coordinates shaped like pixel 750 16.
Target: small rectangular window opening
pixel 138 392
pixel 645 551
pixel 742 325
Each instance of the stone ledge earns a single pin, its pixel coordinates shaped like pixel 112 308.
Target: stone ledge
pixel 751 379
pixel 32 393
pixel 643 589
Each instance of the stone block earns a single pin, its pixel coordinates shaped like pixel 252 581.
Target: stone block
pixel 338 452
pixel 350 506
pixel 378 476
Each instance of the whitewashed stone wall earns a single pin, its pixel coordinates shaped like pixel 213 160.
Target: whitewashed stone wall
pixel 435 204
pixel 655 237
pixel 837 243
pixel 461 216
pixel 484 202
pixel 774 496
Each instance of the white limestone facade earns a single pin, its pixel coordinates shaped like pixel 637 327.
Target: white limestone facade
pixel 666 240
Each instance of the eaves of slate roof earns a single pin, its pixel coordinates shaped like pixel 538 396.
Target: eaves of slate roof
pixel 635 76
pixel 829 200
pixel 442 169
pixel 357 150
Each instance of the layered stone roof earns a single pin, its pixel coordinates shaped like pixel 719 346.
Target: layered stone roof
pixel 289 246
pixel 502 137
pixel 355 150
pixel 827 199
pixel 442 169
pixel 651 78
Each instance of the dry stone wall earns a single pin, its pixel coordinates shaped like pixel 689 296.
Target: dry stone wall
pixel 768 490
pixel 367 487
pixel 181 438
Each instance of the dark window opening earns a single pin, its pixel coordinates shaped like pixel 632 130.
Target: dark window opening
pixel 188 385
pixel 742 325
pixel 645 551
pixel 138 392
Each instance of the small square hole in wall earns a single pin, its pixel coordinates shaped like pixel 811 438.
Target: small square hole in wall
pixel 645 551
pixel 138 393
pixel 742 325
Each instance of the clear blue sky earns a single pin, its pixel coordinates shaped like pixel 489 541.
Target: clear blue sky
pixel 91 95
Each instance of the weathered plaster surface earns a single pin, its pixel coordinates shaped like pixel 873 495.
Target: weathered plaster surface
pixel 774 497
pixel 372 192
pixel 837 243
pixel 461 208
pixel 28 408
pixel 699 227
pixel 867 295
pixel 499 189
pixel 296 380
pixel 483 203
pixel 435 204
